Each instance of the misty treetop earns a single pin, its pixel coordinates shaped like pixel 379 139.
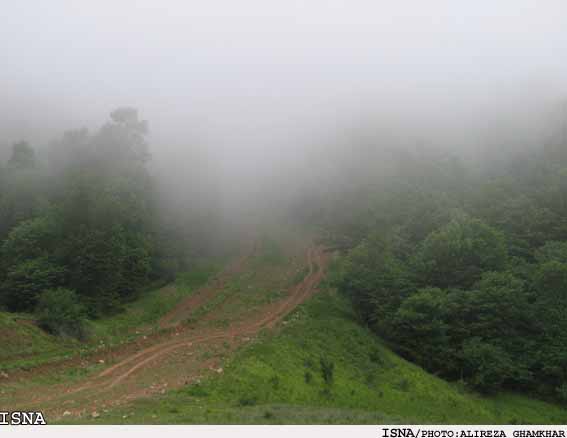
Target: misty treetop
pixel 80 221
pixel 462 270
pixel 464 273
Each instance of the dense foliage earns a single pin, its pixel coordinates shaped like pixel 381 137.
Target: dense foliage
pixel 466 273
pixel 78 227
pixel 60 313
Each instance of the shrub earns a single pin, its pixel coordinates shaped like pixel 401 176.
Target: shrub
pixel 197 390
pixel 561 391
pixel 327 370
pixel 59 312
pixel 25 281
pixel 375 357
pixel 275 382
pixel 308 363
pixel 403 385
pixel 247 401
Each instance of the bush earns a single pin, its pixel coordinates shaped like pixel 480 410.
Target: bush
pixel 327 370
pixel 30 239
pixel 59 312
pixel 25 281
pixel 247 401
pixel 275 382
pixel 561 391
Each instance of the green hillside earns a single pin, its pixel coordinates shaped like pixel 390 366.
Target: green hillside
pixel 323 367
pixel 25 345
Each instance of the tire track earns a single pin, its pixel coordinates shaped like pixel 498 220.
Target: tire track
pixel 203 294
pixel 172 318
pixel 269 321
pixel 112 377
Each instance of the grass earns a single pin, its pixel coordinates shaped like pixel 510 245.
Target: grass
pixel 262 282
pixel 151 306
pixel 323 367
pixel 210 305
pixel 299 276
pixel 270 252
pixel 25 346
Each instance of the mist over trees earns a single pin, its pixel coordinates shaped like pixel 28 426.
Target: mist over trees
pixel 83 219
pixel 460 264
pixel 425 147
pixel 463 270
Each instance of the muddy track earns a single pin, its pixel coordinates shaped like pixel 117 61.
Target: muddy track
pixel 124 369
pixel 117 377
pixel 302 291
pixel 208 292
pixel 168 324
pixel 184 309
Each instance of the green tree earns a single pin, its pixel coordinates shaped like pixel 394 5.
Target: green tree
pixel 123 139
pixel 487 367
pixel 25 281
pixel 23 156
pixel 376 280
pixel 59 312
pixel 457 254
pixel 421 330
pixel 30 239
pixel 552 252
pixel 550 283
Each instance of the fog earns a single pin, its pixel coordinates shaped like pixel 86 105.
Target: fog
pixel 255 102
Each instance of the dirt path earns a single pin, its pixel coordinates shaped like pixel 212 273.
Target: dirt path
pixel 205 294
pixel 168 322
pixel 174 361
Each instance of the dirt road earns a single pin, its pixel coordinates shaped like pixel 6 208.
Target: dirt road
pixel 181 357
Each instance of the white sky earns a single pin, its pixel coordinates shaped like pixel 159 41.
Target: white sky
pixel 246 75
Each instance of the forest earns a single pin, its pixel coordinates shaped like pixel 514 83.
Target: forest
pixel 284 212
pixel 464 270
pixel 79 229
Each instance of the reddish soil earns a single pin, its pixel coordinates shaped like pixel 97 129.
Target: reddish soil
pixel 184 309
pixel 170 359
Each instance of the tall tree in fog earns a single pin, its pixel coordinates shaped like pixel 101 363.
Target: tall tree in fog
pixel 93 231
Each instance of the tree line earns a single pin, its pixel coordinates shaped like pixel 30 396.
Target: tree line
pixel 464 271
pixel 79 232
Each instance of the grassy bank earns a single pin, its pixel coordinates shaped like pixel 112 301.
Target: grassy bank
pixel 323 367
pixel 26 346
